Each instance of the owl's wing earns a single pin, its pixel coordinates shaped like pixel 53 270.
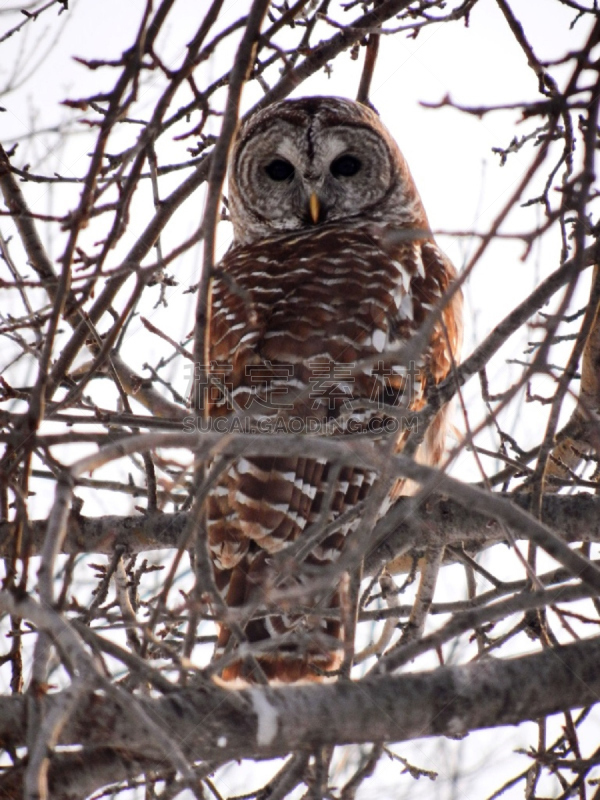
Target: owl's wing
pixel 446 340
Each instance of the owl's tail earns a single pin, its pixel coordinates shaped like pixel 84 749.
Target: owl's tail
pixel 294 637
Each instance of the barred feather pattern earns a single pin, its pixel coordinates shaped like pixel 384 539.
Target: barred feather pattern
pixel 303 330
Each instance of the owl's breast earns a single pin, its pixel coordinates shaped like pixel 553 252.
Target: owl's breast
pixel 331 292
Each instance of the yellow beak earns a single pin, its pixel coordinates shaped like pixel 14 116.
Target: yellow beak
pixel 314 207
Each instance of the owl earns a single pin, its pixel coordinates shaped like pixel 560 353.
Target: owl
pixel 332 269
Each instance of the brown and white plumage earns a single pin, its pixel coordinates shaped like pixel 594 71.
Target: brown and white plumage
pixel 332 266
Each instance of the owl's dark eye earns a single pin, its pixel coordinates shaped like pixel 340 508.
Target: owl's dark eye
pixel 345 166
pixel 279 170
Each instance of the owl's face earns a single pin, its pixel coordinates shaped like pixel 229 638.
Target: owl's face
pixel 313 161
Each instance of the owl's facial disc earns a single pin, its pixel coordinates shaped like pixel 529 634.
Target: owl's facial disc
pixel 293 176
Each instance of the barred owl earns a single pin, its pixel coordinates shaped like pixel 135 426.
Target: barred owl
pixel 332 268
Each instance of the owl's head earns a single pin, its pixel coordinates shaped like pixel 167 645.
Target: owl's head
pixel 314 161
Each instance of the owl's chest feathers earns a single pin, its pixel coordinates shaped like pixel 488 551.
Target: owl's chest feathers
pixel 347 288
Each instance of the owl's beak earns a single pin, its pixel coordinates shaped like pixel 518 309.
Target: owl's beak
pixel 314 207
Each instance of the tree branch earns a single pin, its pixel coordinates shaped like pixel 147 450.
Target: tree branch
pixel 439 519
pixel 212 722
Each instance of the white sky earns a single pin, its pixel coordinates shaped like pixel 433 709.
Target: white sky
pixel 462 186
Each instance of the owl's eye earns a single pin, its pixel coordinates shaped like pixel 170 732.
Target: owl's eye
pixel 345 166
pixel 279 170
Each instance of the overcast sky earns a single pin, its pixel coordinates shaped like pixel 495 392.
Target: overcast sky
pixel 450 155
